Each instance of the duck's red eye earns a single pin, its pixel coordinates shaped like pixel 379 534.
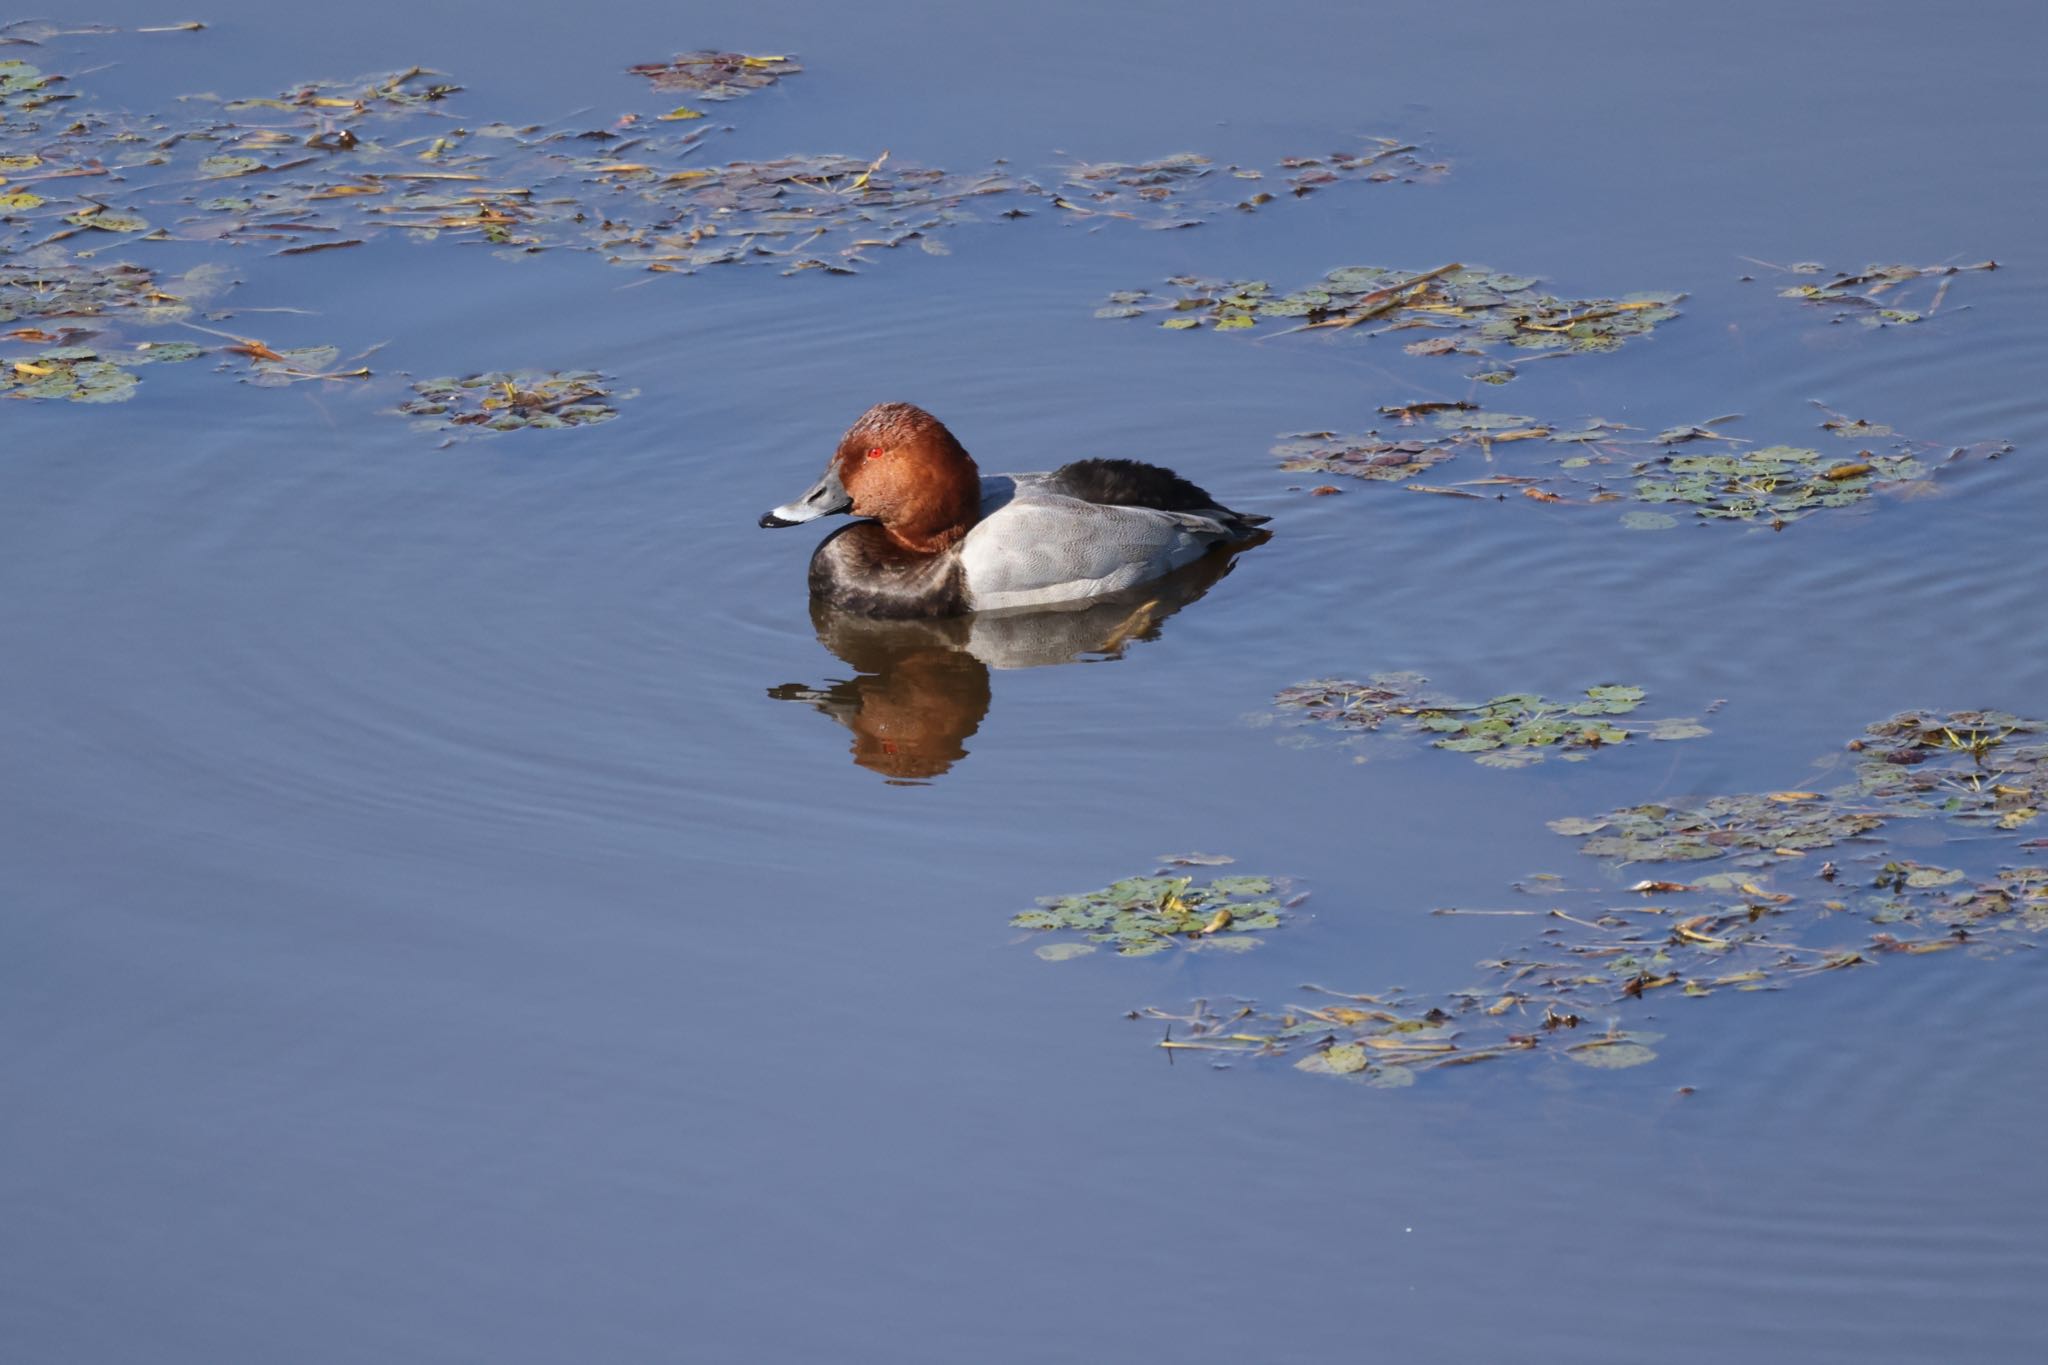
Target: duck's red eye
pixel 875 454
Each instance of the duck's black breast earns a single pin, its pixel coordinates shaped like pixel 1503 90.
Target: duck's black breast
pixel 858 568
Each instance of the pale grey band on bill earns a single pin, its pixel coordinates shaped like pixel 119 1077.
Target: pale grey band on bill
pixel 827 497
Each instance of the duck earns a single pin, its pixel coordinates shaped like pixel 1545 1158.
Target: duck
pixel 938 538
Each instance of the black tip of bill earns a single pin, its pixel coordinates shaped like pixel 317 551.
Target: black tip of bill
pixel 770 521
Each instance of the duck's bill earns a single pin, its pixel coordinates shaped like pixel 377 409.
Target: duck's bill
pixel 827 498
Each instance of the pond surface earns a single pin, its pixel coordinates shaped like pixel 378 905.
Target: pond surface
pixel 432 933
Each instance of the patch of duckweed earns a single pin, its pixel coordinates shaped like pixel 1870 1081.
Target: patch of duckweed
pixel 1509 731
pixel 86 374
pixel 1464 309
pixel 1878 295
pixel 513 400
pixel 1139 916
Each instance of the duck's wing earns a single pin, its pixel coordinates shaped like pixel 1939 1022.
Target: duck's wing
pixel 1041 547
pixel 1133 483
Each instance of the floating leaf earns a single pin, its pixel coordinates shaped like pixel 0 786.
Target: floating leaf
pixel 108 220
pixel 1776 484
pixel 1484 307
pixel 717 75
pixel 1871 295
pixel 1345 1059
pixel 80 374
pixel 225 167
pixel 1611 1054
pixel 509 401
pixel 1509 731
pixel 1139 916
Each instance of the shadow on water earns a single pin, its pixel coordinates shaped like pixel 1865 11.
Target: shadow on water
pixel 921 688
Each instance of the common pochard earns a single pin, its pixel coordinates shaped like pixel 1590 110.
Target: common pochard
pixel 941 539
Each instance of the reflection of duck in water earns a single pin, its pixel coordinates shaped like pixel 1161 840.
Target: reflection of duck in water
pixel 922 687
pixel 942 540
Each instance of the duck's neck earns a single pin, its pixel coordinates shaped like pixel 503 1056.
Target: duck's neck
pixel 930 542
pixel 943 509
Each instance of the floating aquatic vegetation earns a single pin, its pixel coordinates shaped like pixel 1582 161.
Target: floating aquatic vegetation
pixel 1976 767
pixel 22 86
pixel 1724 932
pixel 1393 458
pixel 634 200
pixel 1483 308
pixel 1388 1038
pixel 509 401
pixel 1695 467
pixel 52 284
pixel 1380 160
pixel 1367 456
pixel 801 212
pixel 276 367
pixel 329 164
pixel 716 75
pixel 1152 190
pixel 1187 189
pixel 1876 295
pixel 1139 916
pixel 1510 731
pixel 1766 825
pixel 1768 919
pixel 86 374
pixel 1778 484
pixel 1980 768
